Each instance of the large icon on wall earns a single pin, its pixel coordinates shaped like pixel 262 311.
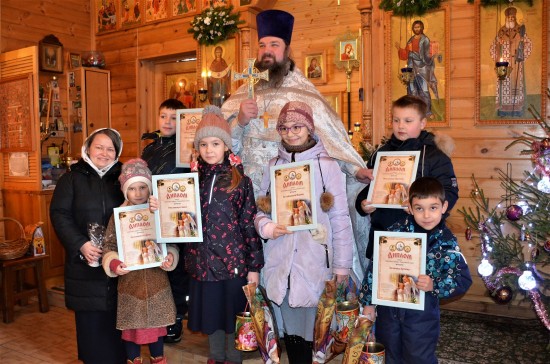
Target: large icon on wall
pixel 418 50
pixel 511 62
pixel 218 62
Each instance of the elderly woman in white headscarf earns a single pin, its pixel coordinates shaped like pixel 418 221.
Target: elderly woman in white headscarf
pixel 85 196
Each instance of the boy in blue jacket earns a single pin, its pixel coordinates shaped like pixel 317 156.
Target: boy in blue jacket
pixel 408 123
pixel 410 336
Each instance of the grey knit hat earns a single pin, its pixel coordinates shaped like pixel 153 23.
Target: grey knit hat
pixel 213 125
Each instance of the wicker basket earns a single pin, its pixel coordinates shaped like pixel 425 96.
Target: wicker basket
pixel 16 248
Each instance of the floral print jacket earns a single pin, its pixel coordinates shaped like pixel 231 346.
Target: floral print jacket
pixel 231 247
pixel 445 264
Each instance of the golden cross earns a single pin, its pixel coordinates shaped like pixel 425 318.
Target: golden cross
pixel 252 75
pixel 265 116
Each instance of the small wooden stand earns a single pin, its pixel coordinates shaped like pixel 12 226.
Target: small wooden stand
pixel 13 287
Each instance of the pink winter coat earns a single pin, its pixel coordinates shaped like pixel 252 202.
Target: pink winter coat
pixel 300 255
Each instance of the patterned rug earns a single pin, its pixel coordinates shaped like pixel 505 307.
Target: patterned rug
pixel 483 339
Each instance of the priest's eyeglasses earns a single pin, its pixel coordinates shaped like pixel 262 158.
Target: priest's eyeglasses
pixel 294 128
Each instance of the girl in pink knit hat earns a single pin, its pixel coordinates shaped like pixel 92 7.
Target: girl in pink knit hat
pixel 139 324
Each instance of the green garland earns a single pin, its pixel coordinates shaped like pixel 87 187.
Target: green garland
pixel 409 7
pixel 215 25
pixel 501 2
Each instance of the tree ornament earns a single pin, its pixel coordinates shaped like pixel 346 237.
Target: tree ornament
pixel 547 246
pixel 544 184
pixel 514 213
pixel 526 281
pixel 485 268
pixel 503 295
pixel 468 233
pixel 545 143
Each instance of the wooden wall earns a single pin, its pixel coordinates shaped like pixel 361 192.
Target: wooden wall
pixel 130 54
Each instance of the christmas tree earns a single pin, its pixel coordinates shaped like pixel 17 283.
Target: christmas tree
pixel 514 235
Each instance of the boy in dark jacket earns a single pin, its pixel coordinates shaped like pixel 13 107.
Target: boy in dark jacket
pixel 408 123
pixel 160 156
pixel 410 336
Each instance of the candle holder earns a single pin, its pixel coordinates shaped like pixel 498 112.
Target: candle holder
pixel 93 59
pixel 203 95
pixel 502 69
pixel 357 126
pixel 406 76
pixel 350 134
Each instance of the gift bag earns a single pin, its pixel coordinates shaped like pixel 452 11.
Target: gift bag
pixel 245 336
pixel 322 337
pixel 338 302
pixel 357 340
pixel 265 325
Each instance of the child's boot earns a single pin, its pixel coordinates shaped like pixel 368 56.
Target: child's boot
pixel 159 360
pixel 137 360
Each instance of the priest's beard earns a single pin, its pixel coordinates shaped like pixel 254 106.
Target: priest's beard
pixel 277 70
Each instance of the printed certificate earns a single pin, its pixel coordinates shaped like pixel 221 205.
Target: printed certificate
pixel 393 174
pixel 136 237
pixel 398 260
pixel 178 218
pixel 187 121
pixel 292 194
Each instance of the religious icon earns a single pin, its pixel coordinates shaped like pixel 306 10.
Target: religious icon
pixel 219 78
pixel 421 54
pixel 348 50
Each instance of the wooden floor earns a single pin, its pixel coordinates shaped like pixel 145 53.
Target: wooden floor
pixel 50 338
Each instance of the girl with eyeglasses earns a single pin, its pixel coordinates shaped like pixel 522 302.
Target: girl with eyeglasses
pixel 298 263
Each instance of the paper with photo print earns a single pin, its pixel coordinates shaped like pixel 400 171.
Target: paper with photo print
pixel 292 195
pixel 178 218
pixel 187 121
pixel 136 237
pixel 394 172
pixel 399 258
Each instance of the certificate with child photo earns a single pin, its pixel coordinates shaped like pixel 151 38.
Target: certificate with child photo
pixel 393 174
pixel 292 192
pixel 178 218
pixel 399 258
pixel 136 237
pixel 187 121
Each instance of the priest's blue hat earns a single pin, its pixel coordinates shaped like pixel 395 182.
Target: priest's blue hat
pixel 275 23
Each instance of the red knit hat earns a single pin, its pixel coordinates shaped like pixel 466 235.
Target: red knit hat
pixel 135 170
pixel 298 112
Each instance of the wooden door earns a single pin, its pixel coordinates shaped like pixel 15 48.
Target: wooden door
pixel 98 109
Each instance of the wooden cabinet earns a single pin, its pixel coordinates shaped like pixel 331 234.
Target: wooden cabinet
pixel 89 104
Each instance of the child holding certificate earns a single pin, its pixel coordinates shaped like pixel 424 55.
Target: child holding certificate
pixel 160 156
pixel 231 253
pixel 297 263
pixel 408 123
pixel 410 336
pixel 140 290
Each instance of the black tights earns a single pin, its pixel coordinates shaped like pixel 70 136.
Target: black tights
pixel 299 351
pixel 133 350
